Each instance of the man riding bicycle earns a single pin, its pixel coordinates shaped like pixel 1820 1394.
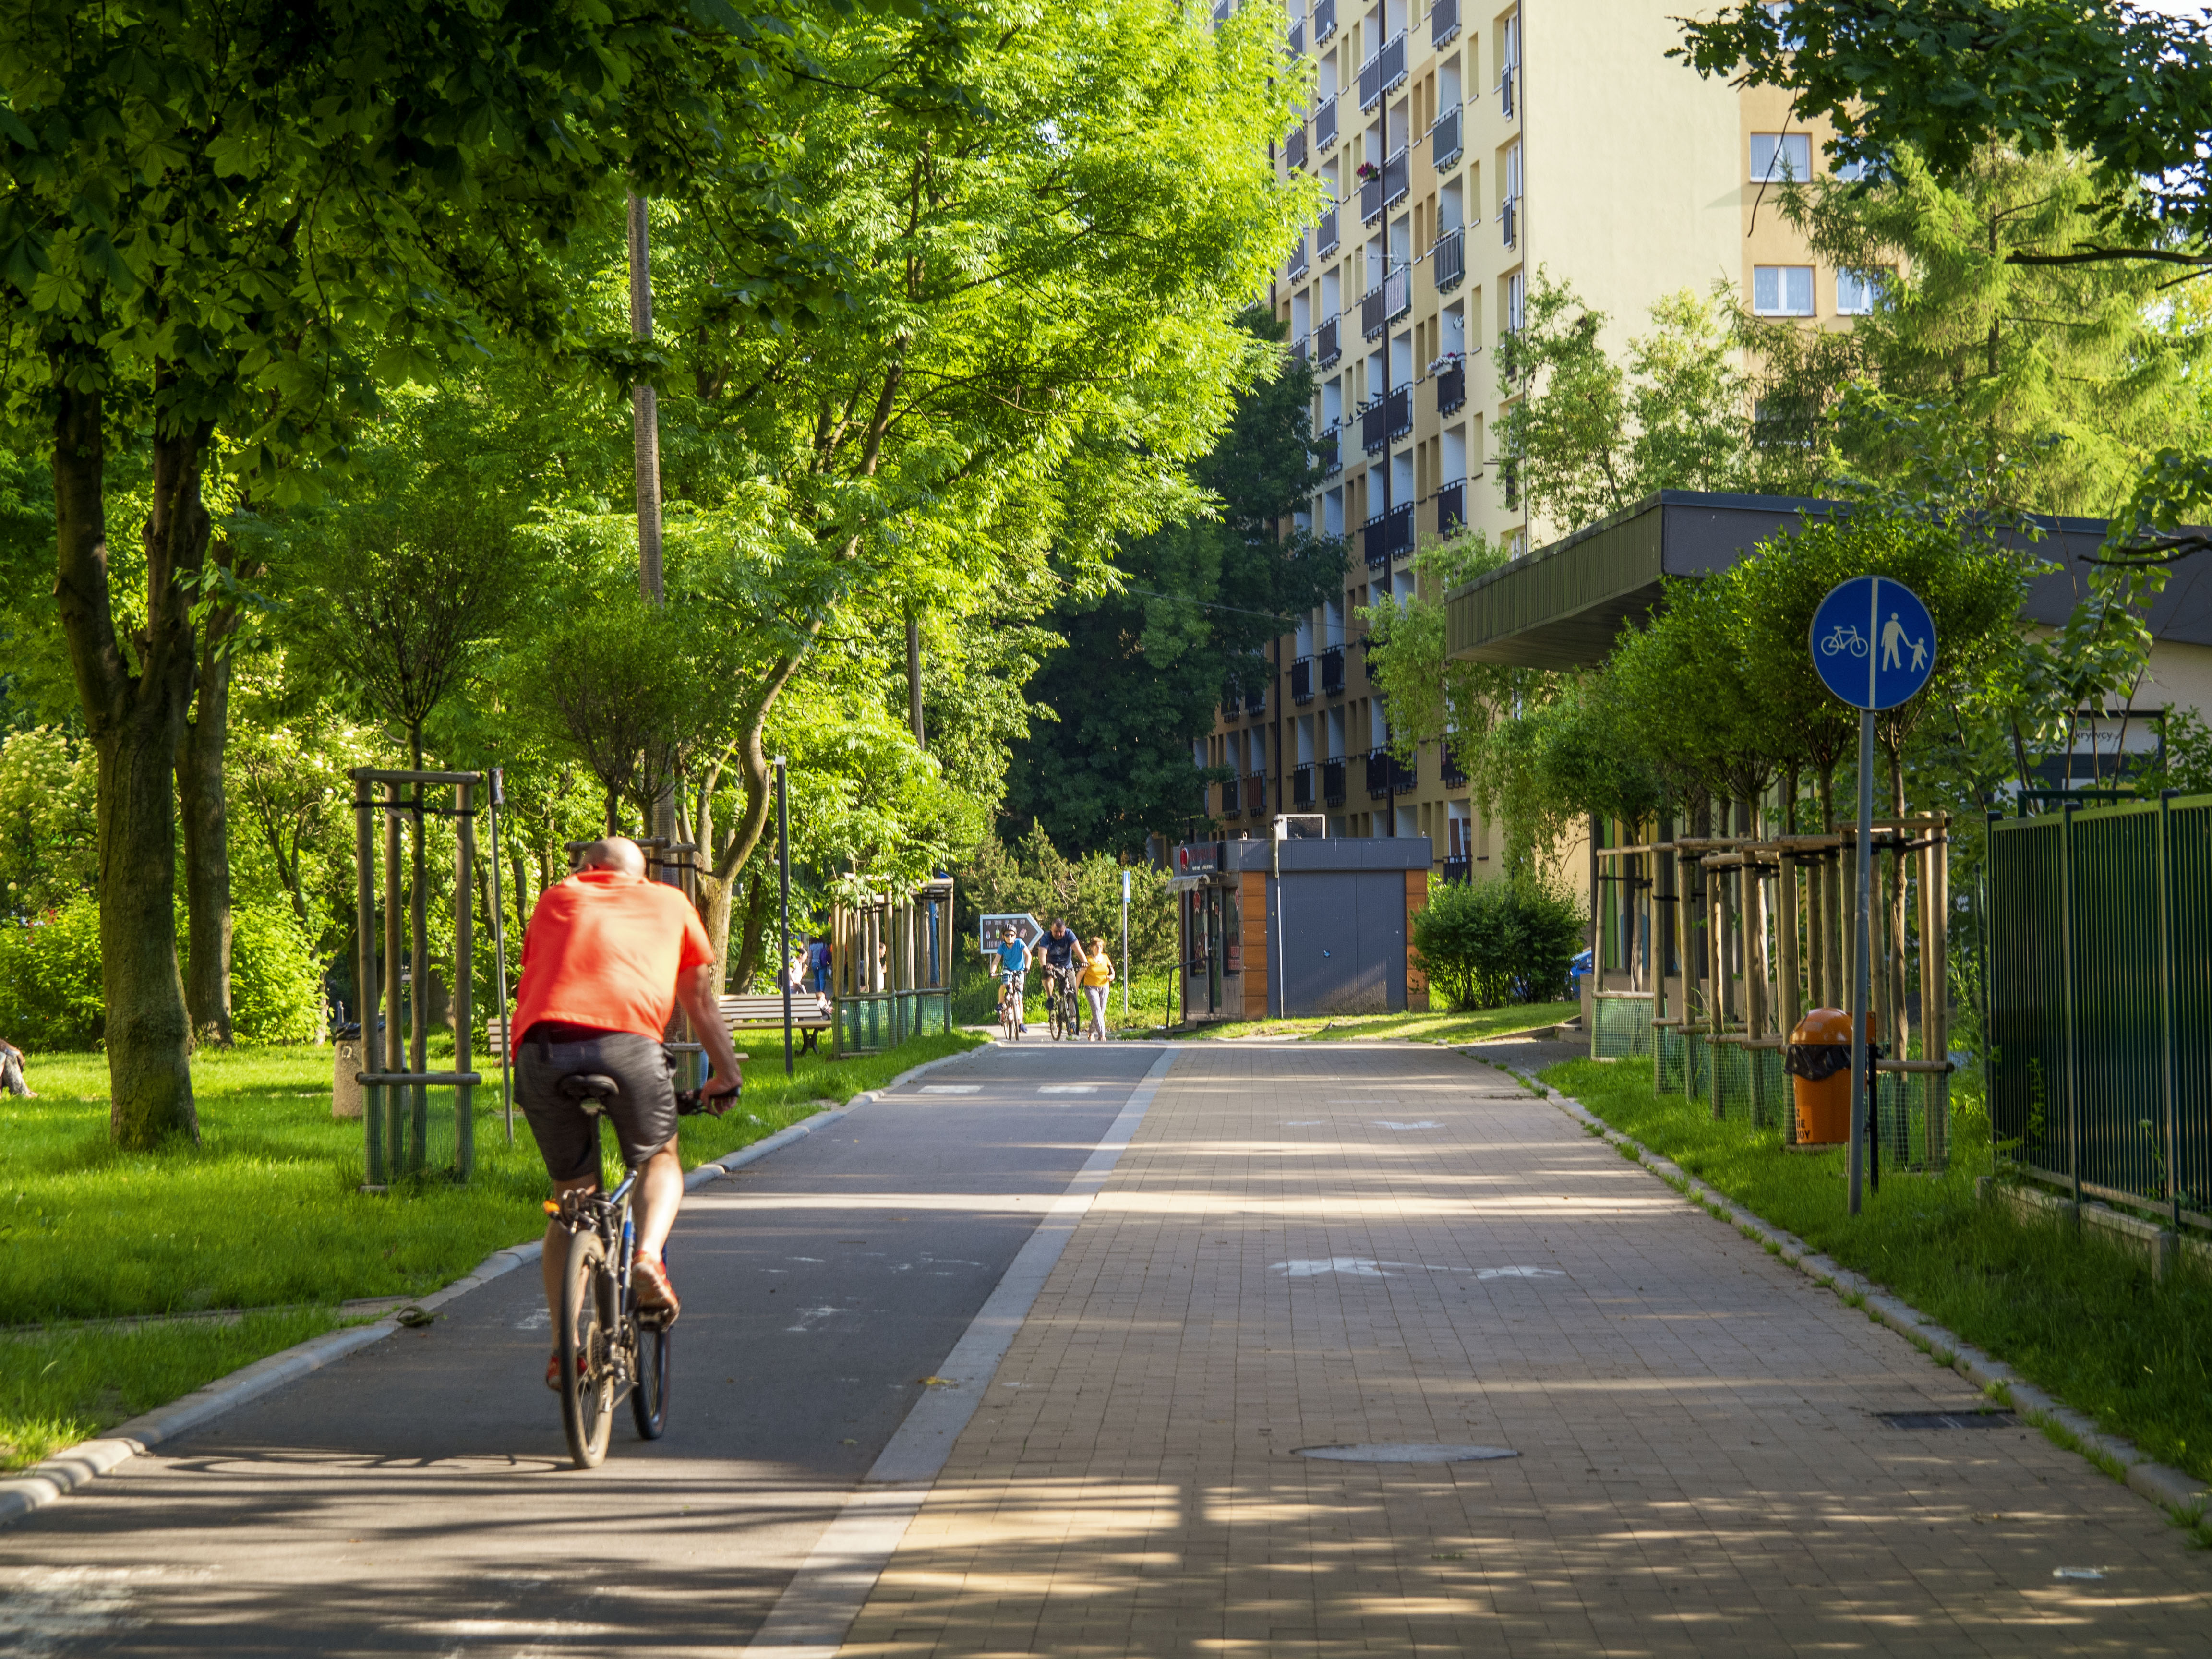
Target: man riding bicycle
pixel 606 959
pixel 1010 960
pixel 1063 961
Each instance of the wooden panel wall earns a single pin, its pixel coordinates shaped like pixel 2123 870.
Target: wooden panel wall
pixel 1253 886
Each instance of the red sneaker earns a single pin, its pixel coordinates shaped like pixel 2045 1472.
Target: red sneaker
pixel 553 1369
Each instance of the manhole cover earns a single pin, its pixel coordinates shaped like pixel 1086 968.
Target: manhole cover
pixel 1947 1420
pixel 1403 1452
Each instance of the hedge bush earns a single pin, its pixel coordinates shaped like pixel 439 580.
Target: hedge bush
pixel 1482 943
pixel 50 983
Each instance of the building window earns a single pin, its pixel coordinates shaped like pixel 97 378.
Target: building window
pixel 1778 157
pixel 1859 292
pixel 1782 290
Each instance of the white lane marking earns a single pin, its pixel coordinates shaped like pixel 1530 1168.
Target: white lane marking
pixel 1069 1089
pixel 809 1318
pixel 815 1259
pixel 818 1606
pixel 1360 1267
pixel 1385 1123
pixel 1303 1122
pixel 536 1320
pixel 952 1088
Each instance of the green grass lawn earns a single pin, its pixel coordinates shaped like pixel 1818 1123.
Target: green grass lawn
pixel 2072 1314
pixel 264 1213
pixel 1477 1026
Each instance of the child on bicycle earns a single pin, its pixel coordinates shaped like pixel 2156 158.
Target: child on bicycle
pixel 1011 962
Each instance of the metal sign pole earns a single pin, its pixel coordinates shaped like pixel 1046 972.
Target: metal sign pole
pixel 498 799
pixel 1124 943
pixel 783 880
pixel 1861 956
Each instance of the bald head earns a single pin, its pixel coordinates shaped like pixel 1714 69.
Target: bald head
pixel 615 853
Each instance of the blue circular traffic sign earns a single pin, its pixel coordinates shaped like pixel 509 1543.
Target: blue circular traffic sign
pixel 1873 642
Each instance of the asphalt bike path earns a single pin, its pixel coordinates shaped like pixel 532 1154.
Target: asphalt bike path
pixel 417 1498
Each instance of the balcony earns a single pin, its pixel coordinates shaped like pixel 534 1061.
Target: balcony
pixel 1448 260
pixel 1449 772
pixel 1370 195
pixel 1461 869
pixel 1332 671
pixel 1445 140
pixel 1444 21
pixel 1299 39
pixel 1255 795
pixel 1302 680
pixel 1255 700
pixel 1302 783
pixel 1396 176
pixel 1451 387
pixel 1327 351
pixel 1383 72
pixel 1298 267
pixel 1228 806
pixel 1389 775
pixel 1324 126
pixel 1294 148
pixel 1325 239
pixel 1299 348
pixel 1385 418
pixel 1223 11
pixel 1509 221
pixel 1328 452
pixel 1388 536
pixel 1332 783
pixel 1379 307
pixel 1324 20
pixel 1505 88
pixel 1451 508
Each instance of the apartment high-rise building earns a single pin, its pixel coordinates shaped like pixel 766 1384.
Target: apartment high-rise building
pixel 1464 150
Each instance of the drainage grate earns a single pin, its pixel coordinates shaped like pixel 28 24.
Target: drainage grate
pixel 1402 1452
pixel 1990 1419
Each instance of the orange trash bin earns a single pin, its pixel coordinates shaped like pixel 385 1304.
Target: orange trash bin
pixel 1820 1067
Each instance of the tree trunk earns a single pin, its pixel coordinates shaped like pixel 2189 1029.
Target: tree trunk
pixel 206 837
pixel 133 719
pixel 748 947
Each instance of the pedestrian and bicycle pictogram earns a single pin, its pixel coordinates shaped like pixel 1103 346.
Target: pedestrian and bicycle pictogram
pixel 1873 642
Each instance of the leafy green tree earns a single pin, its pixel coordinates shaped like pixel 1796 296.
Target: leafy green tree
pixel 1034 229
pixel 2077 373
pixel 1194 608
pixel 225 218
pixel 1486 943
pixel 1591 436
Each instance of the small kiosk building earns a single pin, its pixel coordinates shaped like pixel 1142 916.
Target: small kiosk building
pixel 1286 927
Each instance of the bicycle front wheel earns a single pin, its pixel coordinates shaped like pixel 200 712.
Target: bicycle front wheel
pixel 587 1349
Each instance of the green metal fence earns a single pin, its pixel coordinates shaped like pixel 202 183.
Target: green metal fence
pixel 2100 1001
pixel 872 1021
pixel 1620 1025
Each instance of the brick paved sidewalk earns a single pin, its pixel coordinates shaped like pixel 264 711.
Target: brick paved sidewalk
pixel 1319 1244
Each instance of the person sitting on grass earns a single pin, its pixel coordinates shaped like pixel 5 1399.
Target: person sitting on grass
pixel 11 1070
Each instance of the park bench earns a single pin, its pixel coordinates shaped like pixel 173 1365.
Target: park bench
pixel 810 1013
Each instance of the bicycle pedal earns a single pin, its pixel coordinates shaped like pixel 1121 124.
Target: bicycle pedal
pixel 655 1319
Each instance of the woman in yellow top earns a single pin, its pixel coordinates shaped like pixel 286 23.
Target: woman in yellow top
pixel 1097 975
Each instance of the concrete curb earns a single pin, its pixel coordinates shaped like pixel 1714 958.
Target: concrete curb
pixel 66 1471
pixel 2184 1498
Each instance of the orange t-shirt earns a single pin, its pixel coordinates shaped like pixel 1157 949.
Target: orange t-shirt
pixel 603 949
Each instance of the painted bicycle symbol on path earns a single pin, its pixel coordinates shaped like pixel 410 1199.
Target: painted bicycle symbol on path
pixel 1844 639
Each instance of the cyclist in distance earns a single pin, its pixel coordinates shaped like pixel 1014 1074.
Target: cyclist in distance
pixel 1013 963
pixel 607 956
pixel 1063 957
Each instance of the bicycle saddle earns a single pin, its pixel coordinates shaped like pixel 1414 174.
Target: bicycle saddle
pixel 589 1090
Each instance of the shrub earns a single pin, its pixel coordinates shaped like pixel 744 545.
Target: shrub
pixel 50 989
pixel 276 983
pixel 1484 944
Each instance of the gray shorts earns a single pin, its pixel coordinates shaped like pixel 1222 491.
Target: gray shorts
pixel 643 1111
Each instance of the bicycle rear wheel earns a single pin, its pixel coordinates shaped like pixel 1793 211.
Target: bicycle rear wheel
pixel 648 1395
pixel 587 1336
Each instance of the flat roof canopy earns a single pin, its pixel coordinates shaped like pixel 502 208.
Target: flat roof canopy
pixel 1563 606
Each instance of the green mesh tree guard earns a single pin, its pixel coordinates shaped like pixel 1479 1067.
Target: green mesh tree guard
pixel 1621 1026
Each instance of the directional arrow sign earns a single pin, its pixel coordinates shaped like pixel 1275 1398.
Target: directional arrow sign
pixel 1873 642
